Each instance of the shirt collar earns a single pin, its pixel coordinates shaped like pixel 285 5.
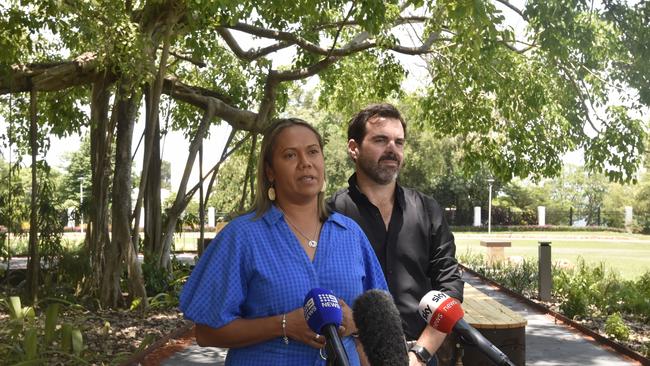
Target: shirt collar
pixel 272 215
pixel 357 194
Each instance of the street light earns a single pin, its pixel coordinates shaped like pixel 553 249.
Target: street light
pixel 490 181
pixel 81 201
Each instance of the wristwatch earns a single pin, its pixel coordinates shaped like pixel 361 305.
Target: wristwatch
pixel 421 353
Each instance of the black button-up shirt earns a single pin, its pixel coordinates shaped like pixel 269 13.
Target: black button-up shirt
pixel 416 253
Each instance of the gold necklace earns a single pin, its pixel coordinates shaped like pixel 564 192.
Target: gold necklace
pixel 311 242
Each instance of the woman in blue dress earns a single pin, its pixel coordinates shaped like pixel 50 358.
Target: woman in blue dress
pixel 247 291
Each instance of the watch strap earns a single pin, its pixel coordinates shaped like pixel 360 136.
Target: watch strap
pixel 421 353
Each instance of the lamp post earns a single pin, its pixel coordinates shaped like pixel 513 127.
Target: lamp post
pixel 81 201
pixel 490 181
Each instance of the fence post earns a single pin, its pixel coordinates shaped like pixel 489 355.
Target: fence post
pixel 570 216
pixel 211 217
pixel 545 275
pixel 628 216
pixel 477 216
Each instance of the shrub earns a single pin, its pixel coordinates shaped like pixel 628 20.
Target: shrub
pixel 638 299
pixel 574 304
pixel 519 277
pixel 591 285
pixel 166 286
pixel 645 349
pixel 517 228
pixel 616 328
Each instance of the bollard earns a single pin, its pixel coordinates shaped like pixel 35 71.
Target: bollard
pixel 545 276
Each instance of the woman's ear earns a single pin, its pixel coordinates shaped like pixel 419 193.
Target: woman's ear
pixel 270 174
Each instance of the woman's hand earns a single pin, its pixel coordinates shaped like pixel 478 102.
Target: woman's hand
pixel 348 326
pixel 298 330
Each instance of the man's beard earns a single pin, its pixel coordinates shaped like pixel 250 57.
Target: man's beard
pixel 378 173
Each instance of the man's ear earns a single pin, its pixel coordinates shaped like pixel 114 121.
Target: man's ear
pixel 353 149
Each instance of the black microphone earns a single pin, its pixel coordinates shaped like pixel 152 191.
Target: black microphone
pixel 324 316
pixel 444 313
pixel 380 329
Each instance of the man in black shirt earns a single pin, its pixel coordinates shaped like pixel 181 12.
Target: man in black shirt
pixel 406 228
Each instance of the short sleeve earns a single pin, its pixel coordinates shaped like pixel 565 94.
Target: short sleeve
pixel 217 287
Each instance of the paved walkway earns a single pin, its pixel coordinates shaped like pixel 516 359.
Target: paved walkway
pixel 547 343
pixel 551 343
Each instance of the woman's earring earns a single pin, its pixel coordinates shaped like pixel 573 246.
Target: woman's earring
pixel 324 186
pixel 271 193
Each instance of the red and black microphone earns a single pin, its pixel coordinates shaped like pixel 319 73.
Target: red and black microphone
pixel 445 314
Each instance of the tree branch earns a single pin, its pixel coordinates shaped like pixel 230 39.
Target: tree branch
pixel 240 119
pixel 51 76
pixel 580 93
pixel 215 168
pixel 251 54
pixel 399 21
pixel 198 63
pixel 292 39
pixel 513 8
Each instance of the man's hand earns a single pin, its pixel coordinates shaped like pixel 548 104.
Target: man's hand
pixel 414 361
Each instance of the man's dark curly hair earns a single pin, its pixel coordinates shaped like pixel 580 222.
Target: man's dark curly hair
pixel 357 125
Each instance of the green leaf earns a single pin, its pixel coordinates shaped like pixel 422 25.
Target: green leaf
pixel 51 318
pixel 38 361
pixel 30 343
pixel 66 337
pixel 77 342
pixel 148 340
pixel 15 308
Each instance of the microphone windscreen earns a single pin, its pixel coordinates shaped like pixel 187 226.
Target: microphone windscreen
pixel 380 329
pixel 440 311
pixel 321 307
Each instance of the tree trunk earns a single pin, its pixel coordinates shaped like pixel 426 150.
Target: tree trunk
pixel 201 202
pixel 97 235
pixel 181 202
pixel 249 176
pixel 34 262
pixel 152 204
pixel 151 161
pixel 121 209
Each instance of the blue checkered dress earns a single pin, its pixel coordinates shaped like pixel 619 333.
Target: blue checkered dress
pixel 256 268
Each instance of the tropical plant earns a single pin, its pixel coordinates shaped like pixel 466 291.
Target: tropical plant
pixel 33 341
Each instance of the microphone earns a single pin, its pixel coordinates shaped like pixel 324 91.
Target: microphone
pixel 380 329
pixel 323 315
pixel 445 314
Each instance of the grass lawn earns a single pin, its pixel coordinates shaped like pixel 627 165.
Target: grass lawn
pixel 627 254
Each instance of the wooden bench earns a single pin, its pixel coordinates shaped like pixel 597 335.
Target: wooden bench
pixel 503 327
pixel 495 252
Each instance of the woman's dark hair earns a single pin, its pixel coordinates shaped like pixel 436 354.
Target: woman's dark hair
pixel 262 201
